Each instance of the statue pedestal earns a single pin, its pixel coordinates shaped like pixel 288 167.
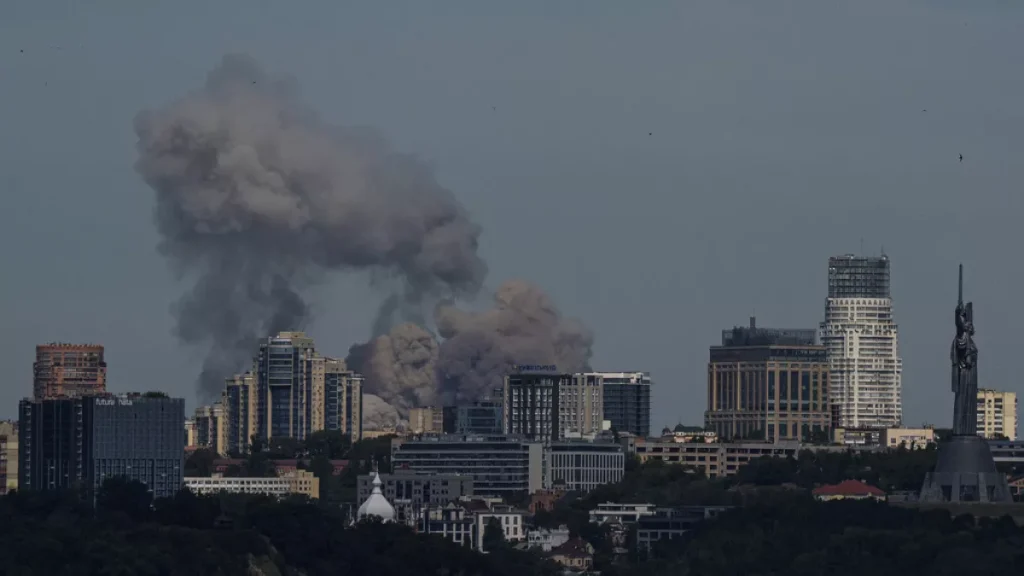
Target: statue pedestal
pixel 965 473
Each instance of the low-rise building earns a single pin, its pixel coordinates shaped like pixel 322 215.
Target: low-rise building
pixel 620 513
pixel 417 488
pixel 576 555
pixel 583 466
pixel 715 459
pixel 8 457
pixel 848 490
pixel 299 482
pixel 499 465
pixel 546 539
pixel 909 438
pixel 511 522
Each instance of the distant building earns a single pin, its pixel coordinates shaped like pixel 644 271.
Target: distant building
pixel 483 417
pixel 240 401
pixel 768 384
pixel 910 438
pixel 576 555
pixel 427 420
pixel 343 400
pixel 671 523
pixel 549 406
pixel 997 414
pixel 212 425
pixel 583 466
pixel 848 490
pixel 417 489
pixel 68 370
pixel 8 457
pixel 298 482
pixel 714 460
pixel 545 539
pixel 499 465
pixel 80 442
pixel 191 440
pixel 862 340
pixel 627 401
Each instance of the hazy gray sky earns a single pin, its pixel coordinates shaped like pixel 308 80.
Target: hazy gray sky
pixel 663 169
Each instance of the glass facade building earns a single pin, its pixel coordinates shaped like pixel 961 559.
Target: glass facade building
pixel 627 401
pixel 81 442
pixel 500 466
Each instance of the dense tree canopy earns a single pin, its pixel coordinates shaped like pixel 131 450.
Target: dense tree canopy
pixel 56 533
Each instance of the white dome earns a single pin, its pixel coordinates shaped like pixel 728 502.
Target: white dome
pixel 377 504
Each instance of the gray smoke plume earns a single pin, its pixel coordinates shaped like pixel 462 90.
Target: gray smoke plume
pixel 256 198
pixel 379 415
pixel 407 368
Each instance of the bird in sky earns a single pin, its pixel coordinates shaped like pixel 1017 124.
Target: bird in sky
pixel 961 157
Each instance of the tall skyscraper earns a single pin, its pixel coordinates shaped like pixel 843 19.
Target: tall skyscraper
pixel 80 442
pixel 627 401
pixel 861 339
pixel 997 414
pixel 768 383
pixel 286 386
pixel 68 370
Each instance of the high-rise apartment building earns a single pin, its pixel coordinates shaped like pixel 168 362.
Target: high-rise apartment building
pixel 343 399
pixel 80 442
pixel 861 339
pixel 627 401
pixel 549 406
pixel 238 402
pixel 768 383
pixel 291 392
pixel 287 386
pixel 997 414
pixel 426 420
pixel 8 457
pixel 68 370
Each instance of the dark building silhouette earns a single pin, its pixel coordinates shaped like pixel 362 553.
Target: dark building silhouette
pixel 68 370
pixel 852 276
pixel 627 401
pixel 80 442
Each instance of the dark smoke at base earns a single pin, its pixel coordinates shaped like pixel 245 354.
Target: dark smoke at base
pixel 256 198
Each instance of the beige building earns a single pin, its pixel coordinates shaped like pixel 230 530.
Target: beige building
pixel 997 414
pixel 713 459
pixel 300 482
pixel 428 420
pixel 211 426
pixel 768 384
pixel 191 440
pixel 8 456
pixel 910 438
pixel 546 405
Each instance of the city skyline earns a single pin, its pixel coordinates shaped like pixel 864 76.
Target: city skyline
pixel 718 172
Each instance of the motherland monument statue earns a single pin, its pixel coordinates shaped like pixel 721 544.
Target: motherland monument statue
pixel 965 471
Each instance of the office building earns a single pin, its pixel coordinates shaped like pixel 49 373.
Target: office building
pixel 80 442
pixel 238 404
pixel 483 417
pixel 68 370
pixel 343 399
pixel 583 466
pixel 417 489
pixel 997 415
pixel 861 339
pixel 714 460
pixel 768 384
pixel 499 465
pixel 8 457
pixel 296 482
pixel 546 406
pixel 627 401
pixel 427 420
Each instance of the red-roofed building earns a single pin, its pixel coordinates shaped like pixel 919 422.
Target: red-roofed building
pixel 848 490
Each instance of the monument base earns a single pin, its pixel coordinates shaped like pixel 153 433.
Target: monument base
pixel 965 473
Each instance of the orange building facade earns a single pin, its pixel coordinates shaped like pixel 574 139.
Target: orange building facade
pixel 68 370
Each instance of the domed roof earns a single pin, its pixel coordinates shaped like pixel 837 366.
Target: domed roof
pixel 377 504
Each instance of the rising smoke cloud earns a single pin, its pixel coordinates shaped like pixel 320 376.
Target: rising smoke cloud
pixel 407 368
pixel 256 198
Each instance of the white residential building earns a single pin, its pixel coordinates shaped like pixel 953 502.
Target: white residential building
pixel 862 344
